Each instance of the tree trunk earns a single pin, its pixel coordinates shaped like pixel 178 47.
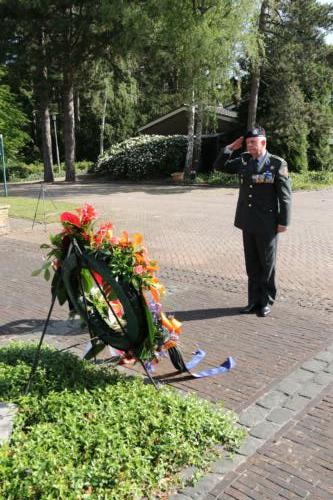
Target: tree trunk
pixel 253 104
pixel 45 114
pixel 190 138
pixel 46 140
pixel 101 137
pixel 198 139
pixel 69 126
pixel 255 79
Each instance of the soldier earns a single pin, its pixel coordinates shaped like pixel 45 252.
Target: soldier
pixel 263 211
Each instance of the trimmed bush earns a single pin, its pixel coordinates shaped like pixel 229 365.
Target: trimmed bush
pixel 86 432
pixel 144 157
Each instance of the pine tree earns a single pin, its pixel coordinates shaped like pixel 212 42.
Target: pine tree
pixel 296 84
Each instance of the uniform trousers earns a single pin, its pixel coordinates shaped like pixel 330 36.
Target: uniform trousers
pixel 260 261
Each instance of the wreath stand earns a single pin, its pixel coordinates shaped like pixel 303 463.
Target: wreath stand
pixel 41 199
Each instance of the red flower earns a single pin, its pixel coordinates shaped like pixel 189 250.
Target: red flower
pixel 70 218
pixel 97 277
pixel 87 213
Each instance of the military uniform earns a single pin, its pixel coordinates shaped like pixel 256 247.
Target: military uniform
pixel 264 202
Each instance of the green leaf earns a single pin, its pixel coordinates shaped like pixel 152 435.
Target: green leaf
pixel 36 272
pixel 47 274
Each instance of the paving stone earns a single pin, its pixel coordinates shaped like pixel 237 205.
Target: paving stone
pixel 178 496
pixel 314 366
pixel 225 465
pixel 250 446
pixel 187 473
pixel 253 415
pixel 323 378
pixel 329 368
pixel 310 390
pixel 301 375
pixel 296 402
pixel 264 430
pixel 324 356
pixel 280 415
pixel 272 399
pixel 289 387
pixel 202 487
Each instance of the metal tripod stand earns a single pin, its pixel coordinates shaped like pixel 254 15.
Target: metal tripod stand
pixel 42 199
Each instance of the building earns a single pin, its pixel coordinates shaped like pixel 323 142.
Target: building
pixel 176 123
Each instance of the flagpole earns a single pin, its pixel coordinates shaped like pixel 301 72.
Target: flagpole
pixel 2 153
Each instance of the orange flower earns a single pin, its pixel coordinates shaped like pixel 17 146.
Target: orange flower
pixel 166 322
pixel 177 326
pixel 139 258
pixel 117 309
pixel 152 266
pixel 124 239
pixel 169 343
pixel 154 294
pixel 137 239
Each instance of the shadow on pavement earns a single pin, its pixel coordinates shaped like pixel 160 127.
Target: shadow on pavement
pixel 102 187
pixel 198 314
pixel 55 327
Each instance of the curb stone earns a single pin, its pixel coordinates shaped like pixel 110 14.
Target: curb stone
pixel 7 415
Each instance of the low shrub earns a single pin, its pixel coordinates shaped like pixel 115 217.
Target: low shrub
pixel 88 432
pixel 35 171
pixel 300 181
pixel 142 157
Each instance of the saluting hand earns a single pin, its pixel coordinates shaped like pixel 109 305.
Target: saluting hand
pixel 237 144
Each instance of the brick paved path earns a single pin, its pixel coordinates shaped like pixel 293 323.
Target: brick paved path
pixel 200 252
pixel 297 464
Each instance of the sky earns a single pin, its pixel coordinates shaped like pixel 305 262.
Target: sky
pixel 329 38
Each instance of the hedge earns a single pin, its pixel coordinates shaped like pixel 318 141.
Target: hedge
pixel 144 157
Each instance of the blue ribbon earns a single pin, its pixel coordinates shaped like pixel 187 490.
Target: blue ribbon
pixel 199 356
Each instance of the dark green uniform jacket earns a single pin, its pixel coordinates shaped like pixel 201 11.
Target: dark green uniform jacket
pixel 265 191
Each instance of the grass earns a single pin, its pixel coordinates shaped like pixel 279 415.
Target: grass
pixel 310 180
pixel 23 207
pixel 86 432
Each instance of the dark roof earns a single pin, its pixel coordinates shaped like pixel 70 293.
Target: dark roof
pixel 176 122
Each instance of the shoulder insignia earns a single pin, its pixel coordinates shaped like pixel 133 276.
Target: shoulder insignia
pixel 283 170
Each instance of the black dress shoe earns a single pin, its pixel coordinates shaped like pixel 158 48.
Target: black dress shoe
pixel 250 309
pixel 264 311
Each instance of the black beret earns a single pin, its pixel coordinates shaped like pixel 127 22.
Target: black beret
pixel 255 132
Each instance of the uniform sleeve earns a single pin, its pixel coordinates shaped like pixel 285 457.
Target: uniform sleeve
pixel 227 162
pixel 283 187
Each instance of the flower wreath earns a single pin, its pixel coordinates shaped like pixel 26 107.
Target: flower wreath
pixel 127 261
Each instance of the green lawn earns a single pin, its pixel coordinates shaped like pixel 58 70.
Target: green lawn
pixel 89 432
pixel 25 208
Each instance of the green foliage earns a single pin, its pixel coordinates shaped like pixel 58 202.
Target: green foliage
pixel 144 157
pixel 294 98
pixel 13 122
pixel 306 180
pixel 312 180
pixel 88 432
pixel 18 171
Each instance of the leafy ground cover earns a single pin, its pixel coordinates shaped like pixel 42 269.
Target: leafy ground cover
pixel 24 208
pixel 300 181
pixel 88 432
